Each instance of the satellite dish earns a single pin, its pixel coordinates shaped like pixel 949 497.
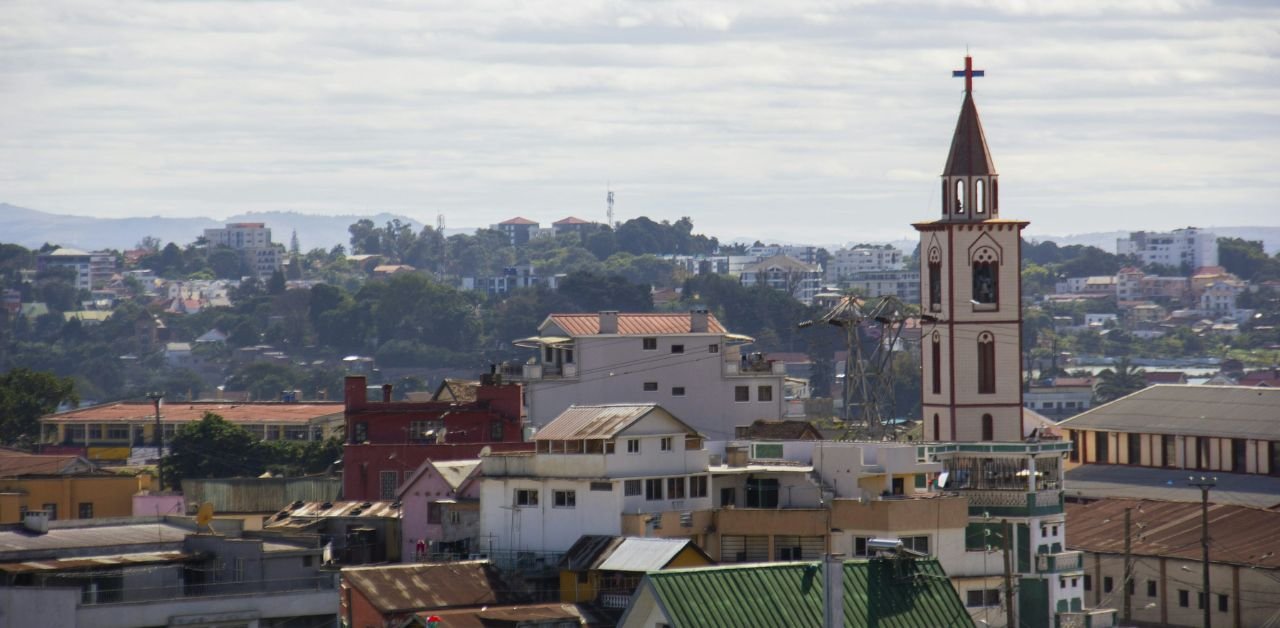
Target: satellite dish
pixel 204 516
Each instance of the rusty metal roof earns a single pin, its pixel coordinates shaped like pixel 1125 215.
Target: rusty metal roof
pixel 426 586
pixel 92 562
pixel 600 422
pixel 268 412
pixel 1223 411
pixel 632 324
pixel 15 463
pixel 307 513
pixel 18 540
pixel 508 615
pixel 1239 535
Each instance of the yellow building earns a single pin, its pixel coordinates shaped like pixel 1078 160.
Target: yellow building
pixel 68 487
pixel 607 569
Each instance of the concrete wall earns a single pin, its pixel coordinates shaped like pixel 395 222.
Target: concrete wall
pixel 1252 593
pixel 319 605
pixel 23 607
pixel 110 496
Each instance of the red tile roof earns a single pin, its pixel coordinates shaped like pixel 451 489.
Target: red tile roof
pixel 268 412
pixel 518 220
pixel 633 324
pixel 572 220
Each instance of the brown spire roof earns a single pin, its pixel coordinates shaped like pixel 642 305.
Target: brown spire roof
pixel 969 154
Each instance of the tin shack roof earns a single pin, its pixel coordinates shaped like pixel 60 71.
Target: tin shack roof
pixel 427 586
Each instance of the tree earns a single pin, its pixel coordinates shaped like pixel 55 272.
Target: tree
pixel 1247 259
pixel 211 448
pixel 226 263
pixel 276 284
pixel 1124 379
pixel 27 395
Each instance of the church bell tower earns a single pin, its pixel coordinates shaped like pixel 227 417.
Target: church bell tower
pixel 970 259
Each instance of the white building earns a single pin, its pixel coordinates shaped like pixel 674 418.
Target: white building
pixel 1191 246
pixel 904 284
pixel 790 275
pixel 253 241
pixel 592 466
pixel 845 262
pixel 74 259
pixel 803 252
pixel 1219 299
pixel 688 363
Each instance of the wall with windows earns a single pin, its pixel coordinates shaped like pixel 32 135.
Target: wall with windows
pixel 1199 453
pixel 74 497
pixel 1167 590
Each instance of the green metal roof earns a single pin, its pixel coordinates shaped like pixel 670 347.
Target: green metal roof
pixel 878 593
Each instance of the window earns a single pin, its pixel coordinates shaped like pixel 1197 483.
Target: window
pixel 665 443
pixel 631 487
pixel 1151 588
pixel 86 510
pixel 455 517
pixel 633 445
pixel 988 428
pixel 603 487
pixel 495 431
pixel 649 344
pixel 387 485
pixel 728 496
pixel 959 198
pixel 1075 446
pixel 937 428
pixel 762 493
pixel 764 393
pixel 564 499
pixel 238 574
pixel 118 432
pixel 650 386
pixel 1238 455
pixel 361 432
pixel 1169 443
pixel 1088 582
pixel 1224 603
pixel 526 497
pixel 1133 444
pixel 698 486
pixel 296 433
pixel 427 431
pixel 677 348
pixel 653 489
pixel 979 203
pixel 434 510
pixel 935 279
pixel 568 356
pixel 916 543
pixel 978 598
pixel 986 279
pixel 677 391
pixel 1102 453
pixel 549 354
pixel 95 431
pixel 1130 586
pixel 935 361
pixel 1107 584
pixel 986 363
pixel 741 393
pixel 1200 600
pixel 675 488
pixel 713 348
pixel 1184 598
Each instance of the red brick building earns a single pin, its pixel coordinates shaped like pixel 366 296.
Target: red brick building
pixel 387 440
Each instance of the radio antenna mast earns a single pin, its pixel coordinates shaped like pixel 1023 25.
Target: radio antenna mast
pixel 609 199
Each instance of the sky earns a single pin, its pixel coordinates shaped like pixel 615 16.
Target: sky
pixel 803 121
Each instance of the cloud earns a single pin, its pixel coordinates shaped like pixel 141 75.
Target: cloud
pixel 796 118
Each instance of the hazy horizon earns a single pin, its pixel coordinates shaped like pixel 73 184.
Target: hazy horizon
pixel 802 122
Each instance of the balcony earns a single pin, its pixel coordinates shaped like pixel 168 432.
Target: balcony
pixel 1013 503
pixel 538 372
pixel 615 600
pixel 739 368
pixel 1059 563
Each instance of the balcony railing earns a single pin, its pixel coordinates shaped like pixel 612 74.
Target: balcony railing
pixel 1060 562
pixel 615 600
pixel 754 369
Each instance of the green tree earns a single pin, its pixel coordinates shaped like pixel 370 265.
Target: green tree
pixel 276 284
pixel 27 395
pixel 1116 383
pixel 211 448
pixel 264 380
pixel 226 263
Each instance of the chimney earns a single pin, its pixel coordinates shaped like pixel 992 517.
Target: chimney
pixel 698 320
pixel 386 393
pixel 609 321
pixel 833 591
pixel 354 392
pixel 36 521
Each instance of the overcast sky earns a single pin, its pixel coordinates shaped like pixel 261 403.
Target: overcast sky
pixel 819 121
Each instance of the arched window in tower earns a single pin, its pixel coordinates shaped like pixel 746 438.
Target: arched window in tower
pixel 978 206
pixel 935 279
pixel 937 428
pixel 988 427
pixel 959 202
pixel 946 199
pixel 935 362
pixel 986 363
pixel 995 195
pixel 986 276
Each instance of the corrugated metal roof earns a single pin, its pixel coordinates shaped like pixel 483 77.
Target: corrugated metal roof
pixel 1106 480
pixel 307 513
pixel 585 553
pixel 600 422
pixel 17 464
pixel 426 586
pixel 20 540
pixel 90 562
pixel 632 324
pixel 272 412
pixel 260 494
pixel 876 593
pixel 1240 535
pixel 642 554
pixel 1224 411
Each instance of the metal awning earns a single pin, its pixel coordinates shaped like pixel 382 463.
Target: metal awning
pixel 739 338
pixel 533 342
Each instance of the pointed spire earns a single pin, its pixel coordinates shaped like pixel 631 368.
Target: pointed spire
pixel 969 153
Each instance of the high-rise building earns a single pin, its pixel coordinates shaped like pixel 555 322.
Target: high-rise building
pixel 253 241
pixel 1190 247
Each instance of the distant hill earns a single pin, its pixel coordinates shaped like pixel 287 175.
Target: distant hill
pixel 32 228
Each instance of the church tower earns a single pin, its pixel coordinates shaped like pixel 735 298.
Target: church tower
pixel 970 261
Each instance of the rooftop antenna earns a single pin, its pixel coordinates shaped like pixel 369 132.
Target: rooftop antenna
pixel 609 198
pixel 440 223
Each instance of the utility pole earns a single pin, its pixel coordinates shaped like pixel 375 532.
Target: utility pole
pixel 1204 484
pixel 158 437
pixel 1128 567
pixel 1008 575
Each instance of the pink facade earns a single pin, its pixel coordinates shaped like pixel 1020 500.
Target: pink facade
pixel 440 506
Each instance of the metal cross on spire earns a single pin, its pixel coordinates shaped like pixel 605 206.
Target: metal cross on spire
pixel 968 73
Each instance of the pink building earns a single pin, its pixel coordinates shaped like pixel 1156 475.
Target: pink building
pixel 440 506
